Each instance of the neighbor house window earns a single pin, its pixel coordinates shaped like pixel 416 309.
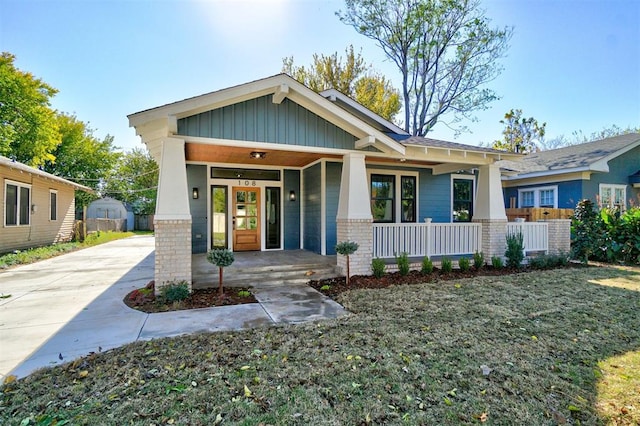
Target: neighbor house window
pixel 613 195
pixel 462 198
pixel 545 196
pixel 17 204
pixel 53 205
pixel 393 196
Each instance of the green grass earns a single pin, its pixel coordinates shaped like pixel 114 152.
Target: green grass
pixel 559 346
pixel 23 257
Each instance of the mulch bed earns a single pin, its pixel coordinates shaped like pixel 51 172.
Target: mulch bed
pixel 199 298
pixel 338 285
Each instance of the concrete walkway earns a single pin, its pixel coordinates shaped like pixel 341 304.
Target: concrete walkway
pixel 71 305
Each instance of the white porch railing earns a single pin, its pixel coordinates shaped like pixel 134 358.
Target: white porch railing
pixel 426 239
pixel 535 235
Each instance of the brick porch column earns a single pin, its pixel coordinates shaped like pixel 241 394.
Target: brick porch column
pixel 353 220
pixel 172 220
pixel 490 211
pixel 559 235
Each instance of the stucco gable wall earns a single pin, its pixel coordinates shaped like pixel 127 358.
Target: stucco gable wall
pixel 42 231
pixel 261 120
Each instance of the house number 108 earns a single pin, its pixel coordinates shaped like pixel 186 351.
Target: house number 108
pixel 247 182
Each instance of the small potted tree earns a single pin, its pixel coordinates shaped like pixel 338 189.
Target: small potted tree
pixel 347 248
pixel 221 258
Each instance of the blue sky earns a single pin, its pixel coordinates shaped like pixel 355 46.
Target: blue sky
pixel 573 64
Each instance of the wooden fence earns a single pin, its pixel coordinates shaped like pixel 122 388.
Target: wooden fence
pixel 534 214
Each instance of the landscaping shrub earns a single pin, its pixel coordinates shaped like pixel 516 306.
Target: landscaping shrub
pixel 539 262
pixel 427 266
pixel 347 248
pixel 378 267
pixel 586 227
pixel 478 260
pixel 221 258
pixel 515 250
pixel 463 264
pixel 496 262
pixel 403 263
pixel 175 292
pixel 446 265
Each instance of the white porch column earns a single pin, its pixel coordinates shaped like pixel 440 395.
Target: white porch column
pixel 490 212
pixel 172 220
pixel 354 220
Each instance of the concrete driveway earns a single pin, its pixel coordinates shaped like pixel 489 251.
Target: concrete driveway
pixel 71 305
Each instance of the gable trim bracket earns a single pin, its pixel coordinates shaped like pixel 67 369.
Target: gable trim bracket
pixel 282 91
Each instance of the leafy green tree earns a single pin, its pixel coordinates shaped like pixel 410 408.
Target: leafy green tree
pixel 445 51
pixel 578 136
pixel 81 157
pixel 134 180
pixel 352 77
pixel 28 127
pixel 520 133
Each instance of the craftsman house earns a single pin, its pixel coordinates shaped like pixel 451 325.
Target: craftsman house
pixel 272 165
pixel 606 171
pixel 38 208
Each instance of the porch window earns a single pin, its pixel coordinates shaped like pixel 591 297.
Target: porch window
pixel 273 217
pixel 408 184
pixel 219 217
pixel 613 195
pixel 544 196
pixel 17 204
pixel 462 200
pixel 382 198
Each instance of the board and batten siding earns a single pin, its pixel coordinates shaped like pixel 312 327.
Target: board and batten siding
pixel 42 231
pixel 312 206
pixel 334 176
pixel 261 120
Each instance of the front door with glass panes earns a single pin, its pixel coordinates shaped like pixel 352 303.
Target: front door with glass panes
pixel 246 218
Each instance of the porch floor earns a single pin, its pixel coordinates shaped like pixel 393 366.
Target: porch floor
pixel 253 268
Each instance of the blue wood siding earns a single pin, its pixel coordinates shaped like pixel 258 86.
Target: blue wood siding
pixel 291 210
pixel 334 175
pixel 197 178
pixel 435 196
pixel 569 193
pixel 312 205
pixel 261 120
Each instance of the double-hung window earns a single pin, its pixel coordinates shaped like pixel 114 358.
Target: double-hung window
pixel 462 195
pixel 17 201
pixel 544 196
pixel 393 196
pixel 613 195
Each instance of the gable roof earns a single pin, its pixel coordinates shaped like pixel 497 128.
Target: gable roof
pixel 12 164
pixel 590 156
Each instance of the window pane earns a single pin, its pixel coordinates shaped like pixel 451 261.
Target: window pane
pixel 461 211
pixel 219 226
pixel 241 223
pixel 53 205
pixel 546 198
pixel 605 196
pixel 11 210
pixel 408 187
pixel 382 210
pixel 527 199
pixel 408 211
pixel 382 186
pixel 24 206
pixel 619 196
pixel 241 196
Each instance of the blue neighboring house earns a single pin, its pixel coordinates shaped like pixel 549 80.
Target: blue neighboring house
pixel 606 171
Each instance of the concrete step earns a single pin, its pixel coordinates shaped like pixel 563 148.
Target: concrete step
pixel 267 275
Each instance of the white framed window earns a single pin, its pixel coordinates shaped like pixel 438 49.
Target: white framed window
pixel 53 205
pixel 542 196
pixel 612 195
pixel 17 202
pixel 394 196
pixel 463 189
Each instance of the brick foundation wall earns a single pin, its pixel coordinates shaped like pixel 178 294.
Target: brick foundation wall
pixel 559 235
pixel 494 232
pixel 361 232
pixel 173 252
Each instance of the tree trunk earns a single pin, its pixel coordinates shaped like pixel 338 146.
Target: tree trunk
pixel 220 292
pixel 348 271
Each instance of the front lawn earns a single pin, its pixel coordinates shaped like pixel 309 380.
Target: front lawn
pixel 547 347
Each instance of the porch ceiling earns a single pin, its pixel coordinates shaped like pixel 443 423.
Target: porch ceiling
pixel 286 158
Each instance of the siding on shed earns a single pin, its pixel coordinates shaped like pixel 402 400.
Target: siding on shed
pixel 41 231
pixel 291 209
pixel 197 178
pixel 312 212
pixel 261 120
